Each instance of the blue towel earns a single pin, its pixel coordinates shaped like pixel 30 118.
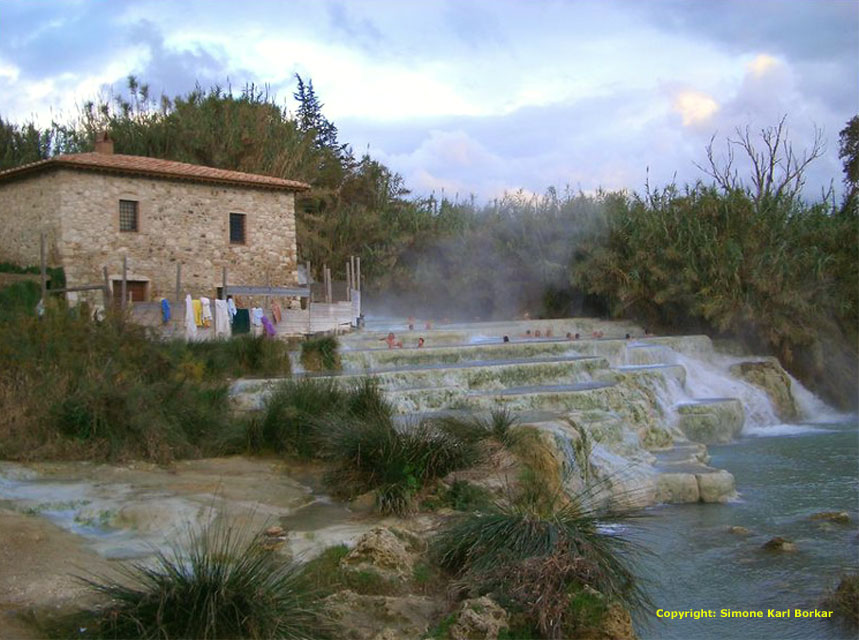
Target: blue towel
pixel 165 311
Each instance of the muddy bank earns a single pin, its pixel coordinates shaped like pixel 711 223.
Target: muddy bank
pixel 61 520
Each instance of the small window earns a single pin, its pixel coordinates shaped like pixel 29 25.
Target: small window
pixel 237 228
pixel 128 215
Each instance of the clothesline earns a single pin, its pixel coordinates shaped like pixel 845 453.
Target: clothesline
pixel 228 317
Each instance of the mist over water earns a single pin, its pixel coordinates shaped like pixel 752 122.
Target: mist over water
pixel 506 258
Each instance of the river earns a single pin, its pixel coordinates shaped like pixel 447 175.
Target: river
pixel 783 474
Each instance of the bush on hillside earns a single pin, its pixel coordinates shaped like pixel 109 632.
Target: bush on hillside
pixel 72 387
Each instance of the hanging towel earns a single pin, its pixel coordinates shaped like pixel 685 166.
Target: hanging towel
pixel 165 311
pixel 276 312
pixel 242 322
pixel 256 316
pixel 222 318
pixel 231 305
pixel 198 313
pixel 268 326
pixel 207 312
pixel 190 323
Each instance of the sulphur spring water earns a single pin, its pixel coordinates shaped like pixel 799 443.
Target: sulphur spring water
pixel 784 475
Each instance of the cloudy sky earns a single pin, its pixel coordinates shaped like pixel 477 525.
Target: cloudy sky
pixel 467 96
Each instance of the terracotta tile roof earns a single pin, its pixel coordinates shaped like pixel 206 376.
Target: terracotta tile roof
pixel 154 167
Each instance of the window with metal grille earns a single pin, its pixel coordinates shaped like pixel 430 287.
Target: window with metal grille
pixel 128 215
pixel 237 228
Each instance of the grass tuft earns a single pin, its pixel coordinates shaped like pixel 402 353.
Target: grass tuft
pixel 296 413
pixel 557 567
pixel 320 354
pixel 397 462
pixel 224 586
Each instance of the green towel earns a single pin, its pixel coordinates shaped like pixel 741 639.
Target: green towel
pixel 242 321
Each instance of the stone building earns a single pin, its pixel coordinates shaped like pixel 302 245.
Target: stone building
pixel 95 208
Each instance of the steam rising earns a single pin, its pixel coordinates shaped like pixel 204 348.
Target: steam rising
pixel 503 260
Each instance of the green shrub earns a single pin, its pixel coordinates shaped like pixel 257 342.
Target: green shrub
pixel 546 565
pixel 322 574
pixel 223 587
pixel 301 414
pixel 461 495
pixel 497 425
pixel 367 400
pixel 396 462
pixel 20 298
pixel 501 422
pixel 154 420
pixel 467 429
pixel 320 354
pixel 241 355
pixel 464 496
pixel 844 600
pixel 296 413
pixel 71 387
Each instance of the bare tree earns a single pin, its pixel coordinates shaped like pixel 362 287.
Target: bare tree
pixel 777 171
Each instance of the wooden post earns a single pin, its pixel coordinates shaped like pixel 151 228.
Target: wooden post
pixel 106 289
pixel 43 268
pixel 358 278
pixel 348 283
pixel 307 272
pixel 178 298
pixel 124 282
pixel 224 285
pixel 328 298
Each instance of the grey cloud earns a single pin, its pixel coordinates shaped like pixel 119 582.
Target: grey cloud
pixel 792 28
pixel 177 72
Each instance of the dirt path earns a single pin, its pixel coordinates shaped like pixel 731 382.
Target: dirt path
pixel 38 562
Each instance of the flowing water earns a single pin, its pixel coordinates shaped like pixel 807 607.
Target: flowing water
pixel 782 478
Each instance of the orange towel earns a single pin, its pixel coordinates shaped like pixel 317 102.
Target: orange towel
pixel 275 311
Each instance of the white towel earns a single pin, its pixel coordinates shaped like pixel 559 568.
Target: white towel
pixel 231 304
pixel 222 318
pixel 256 316
pixel 190 325
pixel 207 311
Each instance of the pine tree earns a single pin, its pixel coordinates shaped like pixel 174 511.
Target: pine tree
pixel 310 118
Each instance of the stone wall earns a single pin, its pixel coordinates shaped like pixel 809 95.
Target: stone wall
pixel 178 221
pixel 27 207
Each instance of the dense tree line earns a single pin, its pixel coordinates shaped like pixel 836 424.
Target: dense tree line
pixel 357 206
pixel 747 258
